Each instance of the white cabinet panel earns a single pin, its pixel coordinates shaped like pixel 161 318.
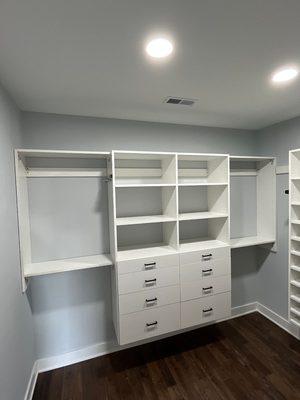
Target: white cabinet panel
pixel 146 264
pixel 205 287
pixel 204 256
pixel 208 269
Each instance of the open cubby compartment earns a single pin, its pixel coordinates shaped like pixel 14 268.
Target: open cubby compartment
pixel 295 164
pixel 140 205
pixel 203 168
pixel 144 240
pixel 58 210
pixel 253 201
pixel 201 234
pixel 203 202
pixel 143 168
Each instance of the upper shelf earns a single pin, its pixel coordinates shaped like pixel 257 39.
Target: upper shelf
pixel 149 219
pixel 201 215
pixel 250 241
pixel 203 184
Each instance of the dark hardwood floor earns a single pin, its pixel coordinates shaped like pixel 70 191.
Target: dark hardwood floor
pixel 244 358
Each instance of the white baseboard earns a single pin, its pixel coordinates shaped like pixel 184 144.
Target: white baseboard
pixel 99 349
pixel 32 382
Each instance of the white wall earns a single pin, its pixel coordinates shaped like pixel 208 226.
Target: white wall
pixel 73 310
pixel 16 322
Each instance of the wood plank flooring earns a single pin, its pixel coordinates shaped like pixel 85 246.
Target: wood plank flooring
pixel 244 358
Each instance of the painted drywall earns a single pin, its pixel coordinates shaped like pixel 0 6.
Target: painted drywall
pixel 16 328
pixel 73 310
pixel 277 140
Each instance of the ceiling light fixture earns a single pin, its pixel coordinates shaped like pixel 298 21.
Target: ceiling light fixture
pixel 285 74
pixel 159 48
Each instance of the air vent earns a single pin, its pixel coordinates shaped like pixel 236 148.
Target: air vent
pixel 180 101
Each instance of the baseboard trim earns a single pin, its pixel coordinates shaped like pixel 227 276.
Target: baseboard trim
pixel 100 349
pixel 32 381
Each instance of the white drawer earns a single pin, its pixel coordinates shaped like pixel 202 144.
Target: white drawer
pixel 146 280
pixel 200 311
pixel 204 256
pixel 208 269
pixel 148 323
pixel 205 287
pixel 145 264
pixel 148 299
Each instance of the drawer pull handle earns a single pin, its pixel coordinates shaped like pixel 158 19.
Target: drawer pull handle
pixel 206 256
pixel 207 288
pixel 206 271
pixel 147 281
pixel 148 324
pixel 150 265
pixel 151 300
pixel 208 310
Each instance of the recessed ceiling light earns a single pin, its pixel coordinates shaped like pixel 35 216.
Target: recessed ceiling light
pixel 159 48
pixel 285 75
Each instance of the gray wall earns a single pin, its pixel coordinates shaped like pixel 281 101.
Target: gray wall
pixel 277 140
pixel 73 310
pixel 16 326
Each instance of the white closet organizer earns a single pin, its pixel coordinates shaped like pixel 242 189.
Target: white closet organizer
pixel 263 202
pixel 294 237
pixel 170 242
pixel 53 164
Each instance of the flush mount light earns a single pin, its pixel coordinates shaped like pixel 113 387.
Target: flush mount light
pixel 159 48
pixel 285 75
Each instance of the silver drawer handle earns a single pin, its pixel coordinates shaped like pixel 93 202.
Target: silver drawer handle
pixel 208 310
pixel 150 265
pixel 207 288
pixel 151 300
pixel 149 324
pixel 150 281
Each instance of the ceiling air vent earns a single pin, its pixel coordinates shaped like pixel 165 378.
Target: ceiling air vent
pixel 180 101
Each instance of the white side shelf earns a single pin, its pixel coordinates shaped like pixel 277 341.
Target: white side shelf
pixel 150 219
pixel 203 184
pixel 201 215
pixel 124 185
pixel 154 250
pixel 249 241
pixel 68 264
pixel 201 244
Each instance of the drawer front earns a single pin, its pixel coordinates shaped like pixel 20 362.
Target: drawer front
pixel 149 323
pixel 147 264
pixel 200 311
pixel 204 256
pixel 148 299
pixel 205 287
pixel 208 269
pixel 146 280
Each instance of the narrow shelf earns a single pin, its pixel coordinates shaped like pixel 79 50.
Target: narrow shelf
pixel 201 215
pixel 295 253
pixel 153 250
pixel 295 268
pixel 296 238
pixel 200 244
pixel 150 219
pixel 295 311
pixel 295 203
pixel 202 184
pixel 68 264
pixel 296 178
pixel 296 283
pixel 249 241
pixel 295 298
pixel 296 322
pixel 120 185
pixel 296 221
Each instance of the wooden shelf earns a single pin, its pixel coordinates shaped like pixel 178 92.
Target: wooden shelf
pixel 202 184
pixel 68 264
pixel 150 219
pixel 201 215
pixel 200 244
pixel 152 250
pixel 249 241
pixel 295 283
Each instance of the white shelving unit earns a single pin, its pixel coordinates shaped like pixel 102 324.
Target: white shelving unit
pixel 263 169
pixel 53 164
pixel 294 237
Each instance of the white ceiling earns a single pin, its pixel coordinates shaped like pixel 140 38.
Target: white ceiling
pixel 86 57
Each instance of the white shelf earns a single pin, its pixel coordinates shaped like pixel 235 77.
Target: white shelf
pixel 296 238
pixel 120 185
pixel 295 253
pixel 295 298
pixel 200 244
pixel 295 268
pixel 201 215
pixel 153 250
pixel 296 221
pixel 202 184
pixel 295 311
pixel 150 219
pixel 296 178
pixel 296 283
pixel 250 158
pixel 295 203
pixel 249 241
pixel 68 264
pixel 296 322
